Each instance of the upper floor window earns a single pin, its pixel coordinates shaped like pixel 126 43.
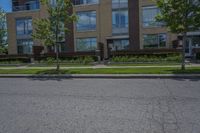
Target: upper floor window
pixel 24 26
pixel 53 2
pixel 18 5
pixel 120 21
pixel 149 16
pixel 82 2
pixel 86 21
pixel 119 3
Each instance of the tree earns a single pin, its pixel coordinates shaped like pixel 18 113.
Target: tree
pixel 3 32
pixel 51 30
pixel 180 16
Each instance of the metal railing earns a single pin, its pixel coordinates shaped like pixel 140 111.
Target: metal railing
pixel 28 6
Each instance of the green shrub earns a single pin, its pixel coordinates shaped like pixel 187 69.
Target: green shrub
pixel 147 58
pixel 50 60
pixel 87 60
pixel 71 60
pixel 12 60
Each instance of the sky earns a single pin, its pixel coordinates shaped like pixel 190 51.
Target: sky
pixel 6 5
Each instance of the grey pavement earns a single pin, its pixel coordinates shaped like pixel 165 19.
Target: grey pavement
pixel 103 76
pixel 58 105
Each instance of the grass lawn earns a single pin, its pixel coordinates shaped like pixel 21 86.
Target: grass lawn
pixel 165 70
pixel 62 65
pixel 144 64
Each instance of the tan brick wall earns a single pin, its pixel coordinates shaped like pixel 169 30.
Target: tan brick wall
pixel 104 21
pixel 11 22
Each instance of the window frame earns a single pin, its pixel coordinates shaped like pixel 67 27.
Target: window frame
pixel 120 25
pixel 26 27
pixel 84 38
pixel 86 30
pixel 29 43
pixel 121 45
pixel 157 39
pixel 84 4
pixel 146 24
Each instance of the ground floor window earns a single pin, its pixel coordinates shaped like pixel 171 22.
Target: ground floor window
pixel 120 44
pixel 155 40
pixel 195 41
pixel 24 46
pixel 86 44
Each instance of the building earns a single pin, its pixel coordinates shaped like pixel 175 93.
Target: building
pixel 114 25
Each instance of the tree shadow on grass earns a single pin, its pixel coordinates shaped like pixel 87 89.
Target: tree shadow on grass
pixel 186 72
pixel 52 72
pixel 44 75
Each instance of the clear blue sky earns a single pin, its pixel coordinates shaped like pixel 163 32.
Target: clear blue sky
pixel 6 5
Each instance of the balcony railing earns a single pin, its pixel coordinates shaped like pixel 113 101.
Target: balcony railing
pixel 28 6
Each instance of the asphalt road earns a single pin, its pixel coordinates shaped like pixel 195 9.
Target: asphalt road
pixel 99 106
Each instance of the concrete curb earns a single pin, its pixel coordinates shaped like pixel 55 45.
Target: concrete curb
pixel 105 76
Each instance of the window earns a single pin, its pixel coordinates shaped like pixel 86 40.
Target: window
pixel 18 5
pixel 149 14
pixel 122 44
pixel 120 21
pixel 32 5
pixel 155 40
pixel 119 3
pixel 24 26
pixel 86 21
pixel 195 41
pixel 86 44
pixel 53 2
pixel 24 46
pixel 81 2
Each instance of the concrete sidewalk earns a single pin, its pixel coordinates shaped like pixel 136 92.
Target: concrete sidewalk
pixel 93 67
pixel 106 76
pixel 100 66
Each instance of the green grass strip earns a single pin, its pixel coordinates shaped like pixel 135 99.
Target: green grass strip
pixel 163 70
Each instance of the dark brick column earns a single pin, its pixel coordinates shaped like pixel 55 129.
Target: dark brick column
pixel 134 26
pixel 70 37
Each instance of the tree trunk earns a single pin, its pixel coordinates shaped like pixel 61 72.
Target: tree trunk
pixel 57 47
pixel 183 50
pixel 57 58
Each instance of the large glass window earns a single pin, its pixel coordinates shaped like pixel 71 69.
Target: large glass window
pixel 32 5
pixel 53 2
pixel 195 41
pixel 121 44
pixel 81 2
pixel 25 5
pixel 24 46
pixel 155 40
pixel 119 3
pixel 86 21
pixel 24 26
pixel 120 21
pixel 149 16
pixel 86 44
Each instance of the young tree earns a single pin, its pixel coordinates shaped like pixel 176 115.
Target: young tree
pixel 3 32
pixel 51 31
pixel 180 16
